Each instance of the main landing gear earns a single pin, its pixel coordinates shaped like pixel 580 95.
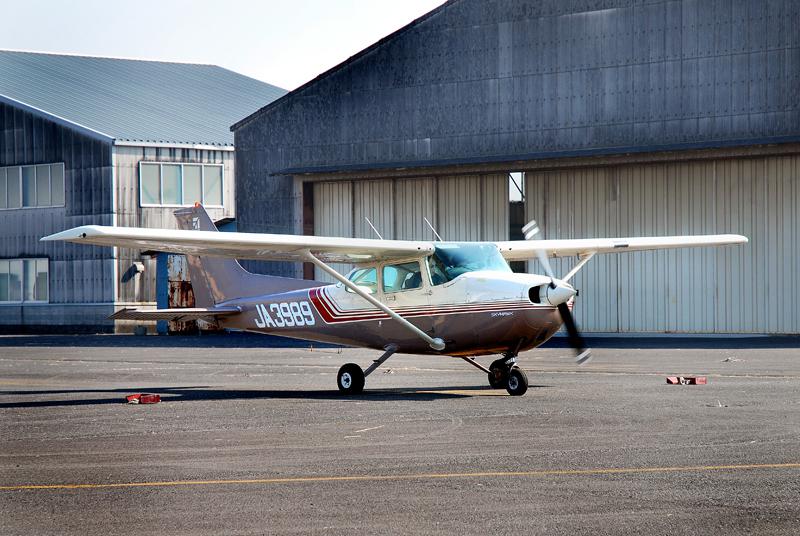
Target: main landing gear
pixel 503 373
pixel 351 378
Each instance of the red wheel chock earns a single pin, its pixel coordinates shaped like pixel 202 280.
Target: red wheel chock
pixel 687 380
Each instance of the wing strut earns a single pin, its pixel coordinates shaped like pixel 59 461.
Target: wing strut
pixel 582 259
pixel 435 343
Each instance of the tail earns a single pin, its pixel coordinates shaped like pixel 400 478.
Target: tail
pixel 216 279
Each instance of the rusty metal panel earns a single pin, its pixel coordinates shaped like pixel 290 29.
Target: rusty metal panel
pixel 179 292
pixel 131 214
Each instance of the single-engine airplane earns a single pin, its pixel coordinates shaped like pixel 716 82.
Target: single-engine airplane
pixel 456 299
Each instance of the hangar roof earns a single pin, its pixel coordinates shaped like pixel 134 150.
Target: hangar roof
pixel 514 81
pixel 130 100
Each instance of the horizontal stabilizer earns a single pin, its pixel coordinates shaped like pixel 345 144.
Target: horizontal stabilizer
pixel 180 315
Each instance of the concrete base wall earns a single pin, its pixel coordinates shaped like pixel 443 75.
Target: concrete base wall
pixel 67 318
pixel 57 318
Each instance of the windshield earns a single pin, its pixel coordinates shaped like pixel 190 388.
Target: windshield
pixel 451 260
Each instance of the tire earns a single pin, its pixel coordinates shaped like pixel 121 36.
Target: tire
pixel 350 379
pixel 517 382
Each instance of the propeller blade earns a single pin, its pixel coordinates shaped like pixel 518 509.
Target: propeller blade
pixel 542 256
pixel 575 340
pixel 531 230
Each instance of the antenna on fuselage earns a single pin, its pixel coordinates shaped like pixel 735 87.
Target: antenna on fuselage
pixel 373 228
pixel 432 229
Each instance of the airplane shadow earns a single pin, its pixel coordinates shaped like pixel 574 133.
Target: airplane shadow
pixel 206 393
pixel 254 340
pixel 210 340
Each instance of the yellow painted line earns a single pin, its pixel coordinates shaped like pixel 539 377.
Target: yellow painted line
pixel 417 476
pixel 465 392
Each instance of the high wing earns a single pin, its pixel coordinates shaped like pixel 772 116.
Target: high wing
pixel 520 250
pixel 246 245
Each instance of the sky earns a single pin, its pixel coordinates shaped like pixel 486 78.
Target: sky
pixel 285 43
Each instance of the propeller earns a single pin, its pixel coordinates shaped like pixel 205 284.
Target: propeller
pixel 582 354
pixel 558 294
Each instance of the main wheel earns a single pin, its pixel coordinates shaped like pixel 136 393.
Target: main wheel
pixel 517 382
pixel 350 379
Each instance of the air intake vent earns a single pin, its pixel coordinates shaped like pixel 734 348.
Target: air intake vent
pixel 533 294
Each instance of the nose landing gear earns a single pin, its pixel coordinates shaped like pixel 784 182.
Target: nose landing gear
pixel 504 373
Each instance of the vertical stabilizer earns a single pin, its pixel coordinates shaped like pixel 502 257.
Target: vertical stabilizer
pixel 216 279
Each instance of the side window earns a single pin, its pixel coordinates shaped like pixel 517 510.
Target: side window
pixel 405 276
pixel 366 278
pixel 438 275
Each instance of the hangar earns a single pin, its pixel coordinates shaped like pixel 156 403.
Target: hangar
pixel 88 140
pixel 613 117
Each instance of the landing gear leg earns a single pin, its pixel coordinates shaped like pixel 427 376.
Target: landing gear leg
pixel 351 378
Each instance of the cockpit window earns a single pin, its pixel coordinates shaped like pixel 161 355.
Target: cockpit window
pixel 366 278
pixel 451 260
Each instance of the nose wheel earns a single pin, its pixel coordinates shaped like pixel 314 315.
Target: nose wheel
pixel 517 382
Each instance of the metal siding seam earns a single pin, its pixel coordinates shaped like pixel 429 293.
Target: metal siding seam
pixel 114 250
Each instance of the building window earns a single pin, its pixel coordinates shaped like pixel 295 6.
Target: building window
pixel 32 186
pixel 165 184
pixel 24 280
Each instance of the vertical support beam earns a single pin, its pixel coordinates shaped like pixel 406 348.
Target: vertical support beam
pixel 162 290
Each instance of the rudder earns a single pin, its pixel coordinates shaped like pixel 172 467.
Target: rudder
pixel 218 279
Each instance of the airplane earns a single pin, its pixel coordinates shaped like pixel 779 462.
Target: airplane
pixel 458 299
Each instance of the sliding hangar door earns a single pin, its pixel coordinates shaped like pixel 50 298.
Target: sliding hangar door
pixel 738 289
pixel 466 207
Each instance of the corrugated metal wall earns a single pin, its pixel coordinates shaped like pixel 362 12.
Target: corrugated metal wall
pixel 130 214
pixel 515 80
pixel 467 207
pixel 750 289
pixel 81 288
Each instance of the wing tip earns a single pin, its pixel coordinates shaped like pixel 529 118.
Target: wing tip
pixel 74 234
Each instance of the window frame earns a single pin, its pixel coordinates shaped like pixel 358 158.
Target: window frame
pixel 368 268
pixel 161 165
pixel 22 300
pixel 21 181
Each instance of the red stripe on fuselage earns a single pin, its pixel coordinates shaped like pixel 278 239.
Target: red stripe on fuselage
pixel 332 314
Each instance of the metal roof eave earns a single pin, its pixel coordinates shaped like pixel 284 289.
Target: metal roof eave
pixel 349 61
pixel 90 132
pixel 175 144
pixel 542 155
